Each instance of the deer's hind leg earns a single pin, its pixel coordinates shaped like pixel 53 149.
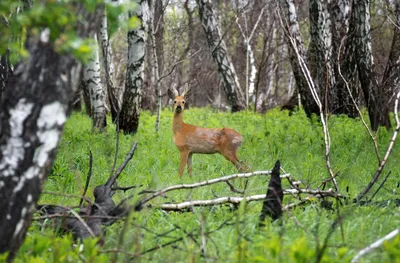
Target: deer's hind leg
pixel 230 155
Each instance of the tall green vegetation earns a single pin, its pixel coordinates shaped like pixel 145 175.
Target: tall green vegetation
pixel 295 140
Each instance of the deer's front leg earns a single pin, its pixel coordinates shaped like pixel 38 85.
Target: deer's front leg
pixel 184 157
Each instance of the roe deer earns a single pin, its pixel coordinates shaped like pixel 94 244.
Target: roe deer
pixel 191 139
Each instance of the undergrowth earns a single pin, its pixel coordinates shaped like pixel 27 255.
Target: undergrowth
pixel 232 235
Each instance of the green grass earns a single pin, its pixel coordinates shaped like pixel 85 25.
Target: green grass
pixel 295 140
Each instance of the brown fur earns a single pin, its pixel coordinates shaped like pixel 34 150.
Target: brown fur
pixel 191 139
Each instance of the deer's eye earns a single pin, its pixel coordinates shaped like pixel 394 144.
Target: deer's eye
pixel 183 102
pixel 174 101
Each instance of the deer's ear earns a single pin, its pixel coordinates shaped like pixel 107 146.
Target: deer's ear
pixel 186 91
pixel 171 94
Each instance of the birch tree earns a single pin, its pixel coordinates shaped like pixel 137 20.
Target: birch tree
pixel 251 69
pixel 114 93
pixel 337 81
pixel 32 116
pixel 130 111
pixel 320 58
pixel 155 69
pixel 92 82
pixel 220 55
pixel 292 31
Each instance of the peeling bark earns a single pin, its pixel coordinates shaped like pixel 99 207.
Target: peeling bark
pixel 31 121
pixel 220 55
pixel 36 104
pixel 137 38
pixel 320 53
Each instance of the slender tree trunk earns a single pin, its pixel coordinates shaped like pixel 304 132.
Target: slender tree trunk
pixel 251 70
pixel 92 82
pixel 114 94
pixel 85 93
pixel 155 70
pixel 272 82
pixel 137 38
pixel 159 33
pixel 292 31
pixel 220 55
pixel 191 32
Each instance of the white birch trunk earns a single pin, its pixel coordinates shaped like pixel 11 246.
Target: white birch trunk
pixel 114 92
pixel 92 80
pixel 137 38
pixel 219 53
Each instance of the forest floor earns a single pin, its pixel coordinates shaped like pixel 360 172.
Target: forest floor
pixel 225 233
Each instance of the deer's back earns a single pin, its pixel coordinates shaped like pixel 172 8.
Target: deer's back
pixel 205 140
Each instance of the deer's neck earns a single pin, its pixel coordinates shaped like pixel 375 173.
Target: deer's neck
pixel 177 122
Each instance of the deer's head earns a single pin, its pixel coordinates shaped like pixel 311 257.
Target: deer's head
pixel 179 100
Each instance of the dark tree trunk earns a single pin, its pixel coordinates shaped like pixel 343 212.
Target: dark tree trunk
pixel 220 55
pixel 366 69
pixel 159 32
pixel 35 106
pixel 320 53
pixel 85 94
pixel 391 77
pixel 292 31
pixel 5 71
pixel 343 41
pixel 130 111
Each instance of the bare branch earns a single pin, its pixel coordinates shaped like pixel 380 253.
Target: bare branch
pixel 311 85
pixel 380 186
pixel 389 150
pixel 128 157
pixel 83 222
pixel 375 245
pixel 199 184
pixel 87 178
pixel 239 199
pixel 176 64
